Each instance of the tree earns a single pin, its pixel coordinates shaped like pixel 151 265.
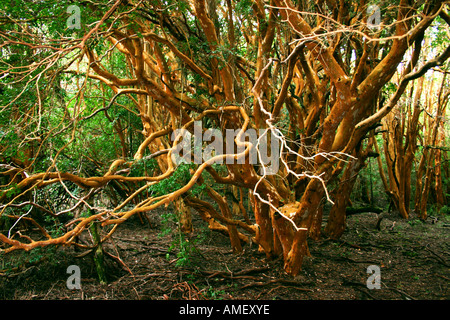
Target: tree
pixel 308 79
pixel 408 127
pixel 429 168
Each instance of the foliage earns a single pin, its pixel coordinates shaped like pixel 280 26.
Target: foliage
pixel 184 247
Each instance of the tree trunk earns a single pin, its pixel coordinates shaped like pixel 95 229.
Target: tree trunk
pixel 265 233
pixel 185 216
pixel 292 240
pixel 337 218
pixel 98 253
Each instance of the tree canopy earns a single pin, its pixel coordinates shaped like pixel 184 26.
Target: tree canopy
pixel 99 97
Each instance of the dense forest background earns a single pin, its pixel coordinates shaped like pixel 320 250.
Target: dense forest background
pixel 351 97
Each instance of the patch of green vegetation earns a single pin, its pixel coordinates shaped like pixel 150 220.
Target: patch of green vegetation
pixel 215 294
pixel 185 247
pixel 11 263
pixel 415 222
pixel 410 253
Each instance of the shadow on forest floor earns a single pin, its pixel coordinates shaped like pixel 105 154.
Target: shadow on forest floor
pixel 413 257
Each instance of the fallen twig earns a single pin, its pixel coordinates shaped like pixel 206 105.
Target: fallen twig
pixel 243 274
pixel 288 282
pixel 358 286
pixel 349 244
pixel 268 292
pixel 366 293
pixel 404 294
pixel 438 256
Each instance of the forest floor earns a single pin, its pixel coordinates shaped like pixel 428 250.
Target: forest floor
pixel 413 257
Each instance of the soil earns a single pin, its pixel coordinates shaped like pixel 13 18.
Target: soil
pixel 141 263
